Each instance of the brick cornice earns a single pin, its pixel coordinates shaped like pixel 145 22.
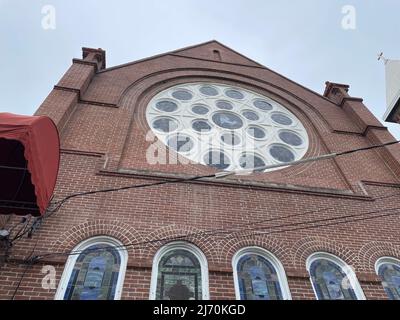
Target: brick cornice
pixel 237 183
pixel 88 63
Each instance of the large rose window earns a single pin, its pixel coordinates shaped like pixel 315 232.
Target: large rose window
pixel 226 127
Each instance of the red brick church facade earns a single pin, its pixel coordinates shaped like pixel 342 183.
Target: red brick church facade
pixel 332 208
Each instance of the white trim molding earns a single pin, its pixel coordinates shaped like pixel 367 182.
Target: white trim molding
pixel 384 260
pixel 280 271
pixel 180 245
pixel 346 269
pixel 69 266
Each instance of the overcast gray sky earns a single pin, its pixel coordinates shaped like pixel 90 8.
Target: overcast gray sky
pixel 303 40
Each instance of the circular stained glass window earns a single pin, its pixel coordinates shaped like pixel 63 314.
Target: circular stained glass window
pixel 282 153
pixel 231 138
pixel 182 95
pixel 180 142
pixel 208 91
pixel 291 138
pixel 167 106
pixel 200 109
pixel 251 161
pixel 217 159
pixel 256 132
pixel 227 120
pixel 224 105
pixel 262 105
pixel 226 127
pixel 250 115
pixel 281 118
pixel 165 124
pixel 201 126
pixel 234 94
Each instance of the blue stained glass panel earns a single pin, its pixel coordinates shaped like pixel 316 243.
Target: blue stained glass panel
pixel 390 275
pixel 95 274
pixel 179 276
pixel 258 279
pixel 330 281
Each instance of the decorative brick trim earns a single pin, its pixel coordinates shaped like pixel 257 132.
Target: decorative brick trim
pixel 303 248
pixel 205 243
pixel 276 247
pixel 118 230
pixel 370 252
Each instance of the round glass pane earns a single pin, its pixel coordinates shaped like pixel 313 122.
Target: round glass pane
pixel 256 132
pixel 281 153
pixel 200 109
pixel 262 105
pixel 182 95
pixel 231 138
pixel 224 105
pixel 250 115
pixel 251 161
pixel 201 126
pixel 165 124
pixel 234 94
pixel 227 120
pixel 217 159
pixel 166 106
pixel 180 142
pixel 291 138
pixel 209 91
pixel 281 119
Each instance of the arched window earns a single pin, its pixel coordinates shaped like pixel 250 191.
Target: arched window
pixel 180 272
pixel 95 272
pixel 259 275
pixel 332 278
pixel 389 271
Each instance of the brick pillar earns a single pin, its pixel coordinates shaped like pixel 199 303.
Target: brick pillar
pixel 369 125
pixel 62 100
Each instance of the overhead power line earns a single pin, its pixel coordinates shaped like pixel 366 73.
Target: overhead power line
pixel 58 204
pixel 234 232
pixel 301 161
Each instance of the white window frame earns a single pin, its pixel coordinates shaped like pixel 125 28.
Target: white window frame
pixel 70 264
pixel 182 246
pixel 385 260
pixel 280 271
pixel 346 269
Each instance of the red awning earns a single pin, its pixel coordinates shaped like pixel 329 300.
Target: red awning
pixel 29 160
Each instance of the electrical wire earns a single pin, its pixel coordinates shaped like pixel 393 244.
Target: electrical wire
pixel 235 231
pixel 29 263
pixel 217 175
pixel 203 233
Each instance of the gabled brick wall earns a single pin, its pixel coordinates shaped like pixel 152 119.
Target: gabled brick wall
pixel 101 117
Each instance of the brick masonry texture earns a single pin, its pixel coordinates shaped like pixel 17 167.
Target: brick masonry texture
pixel 100 114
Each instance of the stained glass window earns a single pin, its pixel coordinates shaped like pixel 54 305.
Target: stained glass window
pixel 179 276
pixel 208 112
pixel 390 274
pixel 258 279
pixel 330 282
pixel 95 274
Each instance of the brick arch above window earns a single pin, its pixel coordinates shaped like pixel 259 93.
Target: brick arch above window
pixel 75 235
pixel 307 246
pixel 277 247
pixel 372 251
pixel 172 233
pixel 135 99
pixel 160 80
